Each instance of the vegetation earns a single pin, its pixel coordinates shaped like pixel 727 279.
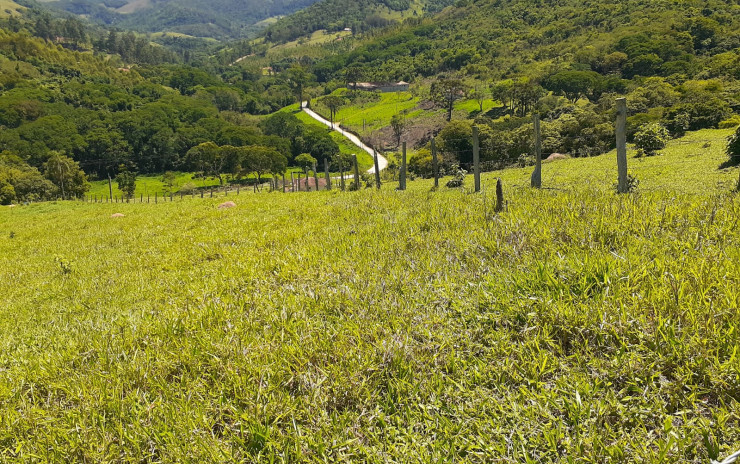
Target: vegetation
pixel 576 325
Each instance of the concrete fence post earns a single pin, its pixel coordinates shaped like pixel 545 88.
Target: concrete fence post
pixel 621 130
pixel 377 169
pixel 435 164
pixel 402 174
pixel 315 176
pixel 326 174
pixel 536 179
pixel 357 172
pixel 476 158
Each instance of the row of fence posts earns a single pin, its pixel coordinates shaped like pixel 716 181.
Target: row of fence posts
pixel 535 179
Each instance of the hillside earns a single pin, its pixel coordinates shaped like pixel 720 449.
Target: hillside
pixel 222 19
pixel 382 326
pixel 357 15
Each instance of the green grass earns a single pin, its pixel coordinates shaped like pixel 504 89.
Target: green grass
pixel 151 185
pixel 10 8
pixel 364 160
pixel 375 114
pixel 381 326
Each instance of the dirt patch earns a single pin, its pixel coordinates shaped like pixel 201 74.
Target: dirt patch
pixel 118 215
pixel 227 205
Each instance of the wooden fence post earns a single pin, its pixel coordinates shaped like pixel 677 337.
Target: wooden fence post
pixel 326 174
pixel 315 176
pixel 402 174
pixel 292 182
pixel 377 169
pixel 476 158
pixel 357 172
pixel 283 182
pixel 341 177
pixel 622 186
pixel 536 179
pixel 156 197
pixel 435 164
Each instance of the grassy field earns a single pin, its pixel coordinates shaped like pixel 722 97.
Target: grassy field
pixel 576 326
pixel 9 8
pixel 150 185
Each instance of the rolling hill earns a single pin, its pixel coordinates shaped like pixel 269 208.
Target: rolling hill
pixel 222 19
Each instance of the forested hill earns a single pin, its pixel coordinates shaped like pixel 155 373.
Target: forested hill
pixel 358 15
pixel 221 19
pixel 500 38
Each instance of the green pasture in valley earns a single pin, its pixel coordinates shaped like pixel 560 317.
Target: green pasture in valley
pixel 577 325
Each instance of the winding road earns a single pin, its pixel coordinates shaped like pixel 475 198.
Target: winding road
pixel 382 161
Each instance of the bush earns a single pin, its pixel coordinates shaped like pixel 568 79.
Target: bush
pixel 733 147
pixel 458 177
pixel 730 123
pixel 650 139
pixel 188 188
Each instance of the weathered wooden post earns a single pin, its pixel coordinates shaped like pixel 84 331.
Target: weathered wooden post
pixel 283 182
pixel 315 176
pixel 622 186
pixel 402 174
pixel 435 164
pixel 292 182
pixel 357 172
pixel 211 192
pixel 377 169
pixel 499 196
pixel 156 197
pixel 110 188
pixel 141 198
pixel 326 174
pixel 476 158
pixel 341 178
pixel 148 197
pixel 299 181
pixel 201 193
pixel 536 179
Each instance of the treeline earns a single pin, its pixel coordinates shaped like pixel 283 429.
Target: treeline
pixel 57 104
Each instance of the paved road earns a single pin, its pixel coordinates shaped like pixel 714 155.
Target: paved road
pixel 382 161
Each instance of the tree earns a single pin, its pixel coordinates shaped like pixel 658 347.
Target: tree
pixel 573 84
pixel 479 95
pixel 299 78
pixel 398 123
pixel 168 179
pixel 650 139
pixel 305 161
pixel 66 174
pixel 503 92
pixel 445 92
pixel 207 158
pixel 126 181
pixel 333 103
pixel 282 124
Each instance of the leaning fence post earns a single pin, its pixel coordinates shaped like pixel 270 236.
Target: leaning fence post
pixel 499 196
pixel 536 179
pixel 326 174
pixel 622 186
pixel 402 174
pixel 357 172
pixel 377 169
pixel 315 176
pixel 435 164
pixel 476 158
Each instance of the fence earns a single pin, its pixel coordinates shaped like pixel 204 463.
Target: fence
pixel 312 180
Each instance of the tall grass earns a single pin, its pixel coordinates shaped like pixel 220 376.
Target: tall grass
pixel 380 326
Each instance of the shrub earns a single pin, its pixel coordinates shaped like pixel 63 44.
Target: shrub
pixel 650 139
pixel 730 123
pixel 458 177
pixel 733 147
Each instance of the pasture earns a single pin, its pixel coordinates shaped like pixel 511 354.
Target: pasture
pixel 381 326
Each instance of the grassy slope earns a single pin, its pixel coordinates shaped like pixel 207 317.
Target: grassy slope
pixel 379 326
pixel 9 7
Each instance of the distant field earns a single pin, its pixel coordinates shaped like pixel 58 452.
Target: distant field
pixel 577 325
pixel 9 7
